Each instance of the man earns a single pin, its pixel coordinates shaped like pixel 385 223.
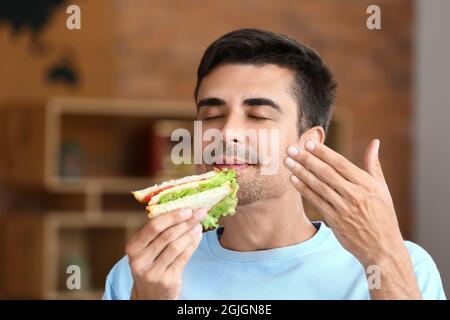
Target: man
pixel 254 79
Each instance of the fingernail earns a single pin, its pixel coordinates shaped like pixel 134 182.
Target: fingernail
pixel 294 179
pixel 185 213
pixel 198 228
pixel 378 145
pixel 310 145
pixel 201 213
pixel 289 162
pixel 293 151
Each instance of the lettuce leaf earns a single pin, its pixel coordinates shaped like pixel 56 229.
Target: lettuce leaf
pixel 225 207
pixel 170 196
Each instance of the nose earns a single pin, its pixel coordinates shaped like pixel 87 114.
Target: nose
pixel 233 129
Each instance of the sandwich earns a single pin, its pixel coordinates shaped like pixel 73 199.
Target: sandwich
pixel 215 191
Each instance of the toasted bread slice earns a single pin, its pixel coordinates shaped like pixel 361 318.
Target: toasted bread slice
pixel 206 199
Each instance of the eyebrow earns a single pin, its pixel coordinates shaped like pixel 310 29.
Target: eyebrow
pixel 210 102
pixel 262 102
pixel 249 102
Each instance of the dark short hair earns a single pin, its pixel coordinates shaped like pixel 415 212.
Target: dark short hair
pixel 313 87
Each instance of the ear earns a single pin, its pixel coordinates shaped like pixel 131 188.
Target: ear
pixel 315 133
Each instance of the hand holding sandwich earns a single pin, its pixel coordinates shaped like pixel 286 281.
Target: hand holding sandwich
pixel 358 207
pixel 159 252
pixel 178 210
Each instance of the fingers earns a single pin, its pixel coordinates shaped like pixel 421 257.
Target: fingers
pixel 372 162
pixel 314 199
pixel 154 227
pixel 315 184
pixel 338 162
pixel 319 168
pixel 180 262
pixel 156 246
pixel 176 248
pixel 147 256
pixel 170 279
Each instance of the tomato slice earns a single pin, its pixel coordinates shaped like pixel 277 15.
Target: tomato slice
pixel 154 193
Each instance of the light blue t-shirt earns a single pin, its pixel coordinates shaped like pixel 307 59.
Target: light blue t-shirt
pixel 319 268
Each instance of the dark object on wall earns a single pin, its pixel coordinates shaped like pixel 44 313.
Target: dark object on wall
pixel 64 72
pixel 21 14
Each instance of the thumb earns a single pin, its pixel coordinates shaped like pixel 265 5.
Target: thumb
pixel 371 160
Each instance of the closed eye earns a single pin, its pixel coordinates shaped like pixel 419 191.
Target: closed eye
pixel 258 118
pixel 212 117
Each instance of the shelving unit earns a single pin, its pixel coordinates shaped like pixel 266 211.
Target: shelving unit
pixel 99 149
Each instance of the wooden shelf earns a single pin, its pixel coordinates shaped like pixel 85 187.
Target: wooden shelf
pixel 46 244
pixel 106 185
pixel 113 139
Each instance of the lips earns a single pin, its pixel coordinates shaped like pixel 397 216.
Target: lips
pixel 237 164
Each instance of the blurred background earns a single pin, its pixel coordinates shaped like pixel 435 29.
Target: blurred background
pixel 86 116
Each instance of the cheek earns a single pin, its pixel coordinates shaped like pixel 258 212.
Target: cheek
pixel 288 137
pixel 283 140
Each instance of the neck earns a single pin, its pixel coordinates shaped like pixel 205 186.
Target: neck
pixel 267 224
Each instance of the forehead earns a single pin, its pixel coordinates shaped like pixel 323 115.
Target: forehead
pixel 238 81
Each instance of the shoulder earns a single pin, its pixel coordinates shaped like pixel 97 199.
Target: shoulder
pixel 426 271
pixel 119 281
pixel 419 256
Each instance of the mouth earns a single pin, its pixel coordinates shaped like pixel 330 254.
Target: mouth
pixel 237 164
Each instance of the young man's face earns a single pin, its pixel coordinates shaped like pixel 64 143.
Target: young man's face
pixel 239 99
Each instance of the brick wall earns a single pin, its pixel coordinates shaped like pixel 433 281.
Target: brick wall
pixel 91 51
